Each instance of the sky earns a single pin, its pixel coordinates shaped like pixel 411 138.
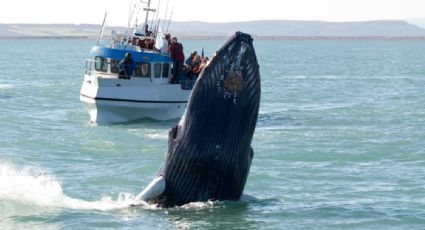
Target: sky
pixel 92 11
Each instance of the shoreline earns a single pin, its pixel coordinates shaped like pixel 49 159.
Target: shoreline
pixel 189 37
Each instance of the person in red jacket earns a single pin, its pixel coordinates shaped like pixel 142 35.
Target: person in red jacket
pixel 176 53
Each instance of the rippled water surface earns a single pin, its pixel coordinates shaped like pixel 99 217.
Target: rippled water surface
pixel 339 142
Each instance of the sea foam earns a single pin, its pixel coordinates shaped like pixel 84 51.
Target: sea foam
pixel 5 86
pixel 32 186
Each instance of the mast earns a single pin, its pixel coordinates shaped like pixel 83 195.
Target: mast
pixel 148 9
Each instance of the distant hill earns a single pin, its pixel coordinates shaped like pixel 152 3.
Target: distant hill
pixel 50 30
pixel 417 22
pixel 303 28
pixel 270 28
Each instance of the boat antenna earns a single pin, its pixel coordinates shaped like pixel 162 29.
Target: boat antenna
pixel 148 9
pixel 169 20
pixel 102 29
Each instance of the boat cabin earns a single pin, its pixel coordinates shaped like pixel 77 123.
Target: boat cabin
pixel 104 61
pixel 150 65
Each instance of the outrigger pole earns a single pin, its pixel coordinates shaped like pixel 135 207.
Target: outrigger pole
pixel 169 20
pixel 130 14
pixel 166 12
pixel 156 18
pixel 153 17
pixel 101 29
pixel 159 19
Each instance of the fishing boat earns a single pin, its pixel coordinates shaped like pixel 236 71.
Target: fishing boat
pixel 109 98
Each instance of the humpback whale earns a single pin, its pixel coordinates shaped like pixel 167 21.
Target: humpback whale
pixel 209 151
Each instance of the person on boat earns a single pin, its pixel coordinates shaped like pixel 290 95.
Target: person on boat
pixel 144 31
pixel 127 66
pixel 188 64
pixel 168 39
pixel 176 53
pixel 134 41
pixel 196 69
pixel 198 65
pixel 142 44
pixel 189 60
pixel 148 33
pixel 204 62
pixel 150 44
pixel 145 69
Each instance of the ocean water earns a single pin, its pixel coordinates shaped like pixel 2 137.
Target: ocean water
pixel 339 142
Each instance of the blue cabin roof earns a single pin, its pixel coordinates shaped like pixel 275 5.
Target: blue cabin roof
pixel 138 56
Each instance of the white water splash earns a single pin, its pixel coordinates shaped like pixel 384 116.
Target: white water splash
pixel 199 205
pixel 158 136
pixel 5 86
pixel 31 186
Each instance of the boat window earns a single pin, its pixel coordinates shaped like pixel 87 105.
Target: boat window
pixel 165 70
pixel 101 64
pixel 114 65
pixel 157 70
pixel 143 69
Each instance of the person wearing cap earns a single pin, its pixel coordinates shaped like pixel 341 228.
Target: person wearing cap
pixel 188 64
pixel 176 53
pixel 189 60
pixel 127 66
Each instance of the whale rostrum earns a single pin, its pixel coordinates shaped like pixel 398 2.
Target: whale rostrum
pixel 209 151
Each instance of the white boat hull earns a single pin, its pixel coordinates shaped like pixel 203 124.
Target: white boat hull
pixel 106 111
pixel 119 100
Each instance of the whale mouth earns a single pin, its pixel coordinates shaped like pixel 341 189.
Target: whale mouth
pixel 231 68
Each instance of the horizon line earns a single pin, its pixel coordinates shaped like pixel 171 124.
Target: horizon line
pixel 256 20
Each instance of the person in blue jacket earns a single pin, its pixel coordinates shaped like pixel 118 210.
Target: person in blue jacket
pixel 127 66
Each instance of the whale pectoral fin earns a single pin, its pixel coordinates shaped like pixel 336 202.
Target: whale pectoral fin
pixel 154 189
